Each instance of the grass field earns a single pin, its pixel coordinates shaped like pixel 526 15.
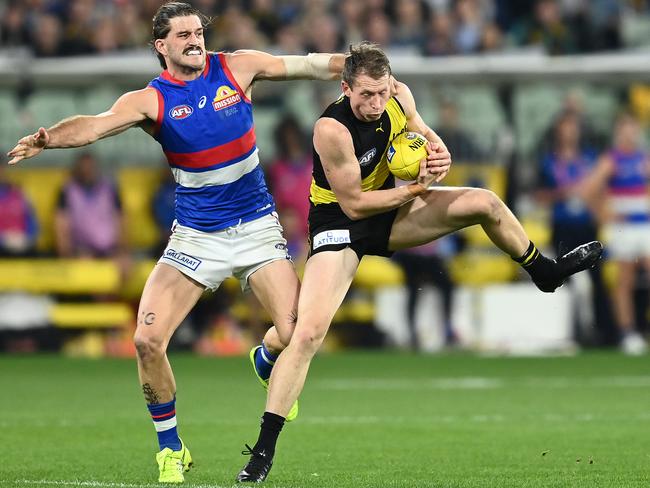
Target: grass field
pixel 367 420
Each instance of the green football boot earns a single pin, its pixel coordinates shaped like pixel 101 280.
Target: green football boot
pixel 172 464
pixel 293 413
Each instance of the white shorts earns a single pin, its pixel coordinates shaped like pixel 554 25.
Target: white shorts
pixel 627 241
pixel 239 251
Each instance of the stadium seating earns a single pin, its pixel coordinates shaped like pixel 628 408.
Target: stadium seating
pixel 137 186
pixel 480 113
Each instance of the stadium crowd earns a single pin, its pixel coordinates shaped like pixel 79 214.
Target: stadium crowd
pixel 429 27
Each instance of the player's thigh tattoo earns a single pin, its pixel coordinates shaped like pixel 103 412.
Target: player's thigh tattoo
pixel 148 318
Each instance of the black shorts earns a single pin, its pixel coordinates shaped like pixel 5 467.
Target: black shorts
pixel 331 230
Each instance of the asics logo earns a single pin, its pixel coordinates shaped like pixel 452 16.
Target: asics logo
pixel 202 101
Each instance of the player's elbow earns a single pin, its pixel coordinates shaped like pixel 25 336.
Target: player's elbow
pixel 352 211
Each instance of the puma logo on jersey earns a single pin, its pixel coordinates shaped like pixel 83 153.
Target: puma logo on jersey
pixel 379 129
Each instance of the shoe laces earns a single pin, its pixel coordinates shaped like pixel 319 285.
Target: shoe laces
pixel 172 463
pixel 258 460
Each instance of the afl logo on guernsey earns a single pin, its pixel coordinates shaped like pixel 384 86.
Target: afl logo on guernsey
pixel 180 112
pixel 225 97
pixel 367 158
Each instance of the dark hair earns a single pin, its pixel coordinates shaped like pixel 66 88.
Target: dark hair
pixel 365 58
pixel 161 25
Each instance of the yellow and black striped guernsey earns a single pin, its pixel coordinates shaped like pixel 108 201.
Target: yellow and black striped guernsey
pixel 371 141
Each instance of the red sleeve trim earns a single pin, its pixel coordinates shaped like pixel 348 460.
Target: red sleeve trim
pixel 161 110
pixel 231 78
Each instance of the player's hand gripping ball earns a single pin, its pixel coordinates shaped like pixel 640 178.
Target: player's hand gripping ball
pixel 404 155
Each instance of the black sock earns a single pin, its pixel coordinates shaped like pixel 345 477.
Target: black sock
pixel 540 268
pixel 270 428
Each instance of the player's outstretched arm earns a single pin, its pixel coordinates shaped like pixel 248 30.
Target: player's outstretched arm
pixel 334 145
pixel 81 130
pixel 439 159
pixel 257 65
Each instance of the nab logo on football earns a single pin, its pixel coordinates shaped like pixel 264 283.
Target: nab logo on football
pixel 180 112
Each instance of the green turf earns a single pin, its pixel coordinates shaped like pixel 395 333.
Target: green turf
pixel 367 420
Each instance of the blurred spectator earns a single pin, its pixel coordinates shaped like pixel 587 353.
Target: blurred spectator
pixel 18 225
pixel 491 38
pixel 266 18
pixel 603 19
pixel 13 25
pixel 469 28
pixel 163 209
pixel 289 40
pixel 378 29
pixel 440 36
pixel 235 30
pixel 46 36
pixel 573 104
pixel 427 265
pixel 547 29
pixel 457 140
pixel 622 174
pixel 132 28
pixel 290 173
pixel 351 13
pixel 324 36
pixel 104 38
pixel 563 172
pixel 79 28
pixel 89 217
pixel 410 19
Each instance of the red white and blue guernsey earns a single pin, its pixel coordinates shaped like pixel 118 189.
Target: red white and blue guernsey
pixel 205 127
pixel 628 187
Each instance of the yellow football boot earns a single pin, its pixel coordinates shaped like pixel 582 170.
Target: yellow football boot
pixel 293 413
pixel 172 464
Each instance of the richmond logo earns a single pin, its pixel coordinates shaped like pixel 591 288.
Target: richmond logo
pixel 225 97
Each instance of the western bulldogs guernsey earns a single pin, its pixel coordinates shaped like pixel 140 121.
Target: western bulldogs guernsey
pixel 628 187
pixel 205 127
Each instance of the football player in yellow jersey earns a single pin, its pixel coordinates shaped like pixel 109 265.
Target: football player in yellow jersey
pixel 356 210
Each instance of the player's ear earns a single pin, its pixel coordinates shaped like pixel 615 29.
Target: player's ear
pixel 160 46
pixel 346 88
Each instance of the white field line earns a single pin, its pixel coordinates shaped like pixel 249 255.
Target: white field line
pixel 481 383
pixel 376 420
pixel 97 484
pixel 109 484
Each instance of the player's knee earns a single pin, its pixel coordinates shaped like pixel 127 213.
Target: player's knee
pixel 148 347
pixel 487 206
pixel 285 337
pixel 308 340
